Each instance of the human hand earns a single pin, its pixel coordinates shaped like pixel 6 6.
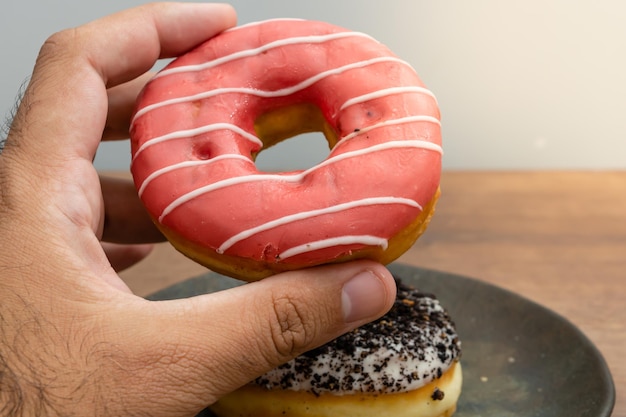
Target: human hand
pixel 73 339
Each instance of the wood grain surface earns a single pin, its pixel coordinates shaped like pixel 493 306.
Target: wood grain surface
pixel 557 238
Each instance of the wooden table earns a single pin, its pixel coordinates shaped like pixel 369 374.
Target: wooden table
pixel 558 238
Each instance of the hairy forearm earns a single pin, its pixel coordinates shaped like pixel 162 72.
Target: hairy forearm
pixel 11 396
pixel 42 371
pixel 20 397
pixel 23 398
pixel 15 398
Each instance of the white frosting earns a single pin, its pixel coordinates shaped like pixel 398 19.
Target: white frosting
pixel 261 49
pixel 262 22
pixel 422 144
pixel 287 91
pixel 392 122
pixel 313 213
pixel 367 240
pixel 409 347
pixel 387 92
pixel 187 164
pixel 182 134
pixel 391 356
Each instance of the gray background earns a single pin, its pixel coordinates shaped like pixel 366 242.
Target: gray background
pixel 538 84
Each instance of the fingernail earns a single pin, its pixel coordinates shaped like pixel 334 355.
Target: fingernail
pixel 362 297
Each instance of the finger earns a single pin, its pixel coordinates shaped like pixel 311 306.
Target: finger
pixel 59 124
pixel 64 109
pixel 125 256
pixel 221 341
pixel 146 33
pixel 121 104
pixel 125 218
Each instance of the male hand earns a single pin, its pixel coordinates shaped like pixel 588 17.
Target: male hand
pixel 73 339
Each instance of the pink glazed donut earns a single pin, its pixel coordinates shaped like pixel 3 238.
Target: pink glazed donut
pixel 201 121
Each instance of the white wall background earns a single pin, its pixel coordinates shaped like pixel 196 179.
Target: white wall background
pixel 538 84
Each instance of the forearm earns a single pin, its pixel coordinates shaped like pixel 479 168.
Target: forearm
pixel 42 371
pixel 21 396
pixel 11 396
pixel 18 397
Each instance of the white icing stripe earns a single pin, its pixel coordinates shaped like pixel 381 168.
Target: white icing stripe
pixel 216 186
pixel 260 22
pixel 268 94
pixel 390 122
pixel 420 144
pixel 387 92
pixel 186 164
pixel 314 213
pixel 335 241
pixel 261 49
pixel 180 134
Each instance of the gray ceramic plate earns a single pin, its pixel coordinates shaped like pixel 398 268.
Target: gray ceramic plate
pixel 519 358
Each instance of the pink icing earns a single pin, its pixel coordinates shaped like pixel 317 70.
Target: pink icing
pixel 193 140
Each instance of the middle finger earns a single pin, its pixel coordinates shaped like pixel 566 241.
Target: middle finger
pixel 121 104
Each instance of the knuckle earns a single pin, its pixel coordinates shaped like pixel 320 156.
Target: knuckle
pixel 58 43
pixel 290 328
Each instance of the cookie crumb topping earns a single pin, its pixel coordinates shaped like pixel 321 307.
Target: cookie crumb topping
pixel 409 347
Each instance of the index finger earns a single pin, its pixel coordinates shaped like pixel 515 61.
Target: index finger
pixel 137 37
pixel 64 109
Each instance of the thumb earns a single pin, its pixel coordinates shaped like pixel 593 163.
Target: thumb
pixel 221 341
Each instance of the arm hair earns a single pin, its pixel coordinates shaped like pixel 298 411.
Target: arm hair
pixel 7 123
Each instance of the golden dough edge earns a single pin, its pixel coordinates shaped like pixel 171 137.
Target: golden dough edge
pixel 252 270
pixel 254 401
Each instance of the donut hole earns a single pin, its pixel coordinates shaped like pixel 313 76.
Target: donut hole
pixel 309 134
pixel 298 153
